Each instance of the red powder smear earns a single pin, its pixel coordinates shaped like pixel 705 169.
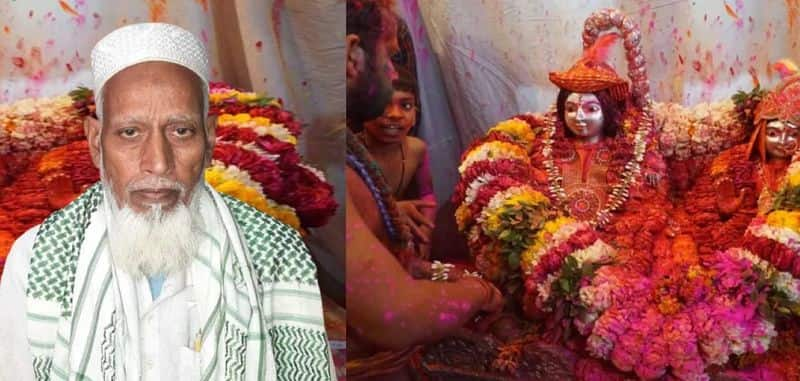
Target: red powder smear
pixel 680 59
pixel 204 4
pixel 158 9
pixel 69 67
pixel 50 42
pixel 97 20
pixel 689 33
pixel 259 44
pixel 729 10
pixel 769 70
pixel 204 36
pixel 18 62
pixel 30 13
pixel 792 8
pixel 697 65
pixel 20 44
pixel 663 57
pixel 6 29
pixel 277 6
pixel 730 70
pixel 67 8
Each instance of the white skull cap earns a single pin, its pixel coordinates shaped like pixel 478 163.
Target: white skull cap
pixel 147 42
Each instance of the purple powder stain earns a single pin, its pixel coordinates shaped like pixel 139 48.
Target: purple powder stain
pixel 204 36
pixel 388 316
pixel 21 44
pixel 447 318
pixel 49 43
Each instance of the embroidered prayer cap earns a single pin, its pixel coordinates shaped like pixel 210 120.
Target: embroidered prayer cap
pixel 147 42
pixel 591 73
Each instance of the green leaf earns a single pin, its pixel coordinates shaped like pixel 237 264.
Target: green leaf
pixel 565 285
pixel 513 260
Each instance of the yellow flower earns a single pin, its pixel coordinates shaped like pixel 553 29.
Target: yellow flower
pixel 242 118
pixel 669 305
pixel 785 219
pixel 225 119
pixel 246 97
pixel 261 121
pixel 517 129
pixel 217 178
pixel 462 214
pixel 794 179
pixel 216 97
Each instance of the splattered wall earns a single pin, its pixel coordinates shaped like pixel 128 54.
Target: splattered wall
pixel 496 55
pixel 45 45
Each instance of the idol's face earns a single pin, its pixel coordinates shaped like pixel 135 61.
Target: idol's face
pixel 781 139
pixel 584 117
pixel 154 146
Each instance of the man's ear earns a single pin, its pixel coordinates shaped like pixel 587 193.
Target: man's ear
pixel 211 137
pixel 355 56
pixel 92 128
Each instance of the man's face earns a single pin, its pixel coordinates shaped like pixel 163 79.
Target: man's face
pixel 584 116
pixel 372 87
pixel 398 118
pixel 781 139
pixel 153 146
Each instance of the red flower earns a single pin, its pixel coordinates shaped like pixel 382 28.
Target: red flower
pixel 311 198
pixel 261 169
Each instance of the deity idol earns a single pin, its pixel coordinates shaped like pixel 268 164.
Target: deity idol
pixel 742 181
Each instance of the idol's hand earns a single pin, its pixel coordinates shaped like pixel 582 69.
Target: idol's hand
pixel 728 200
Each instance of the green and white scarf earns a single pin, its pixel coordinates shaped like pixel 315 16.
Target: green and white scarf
pixel 263 323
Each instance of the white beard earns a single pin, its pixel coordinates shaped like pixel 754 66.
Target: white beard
pixel 154 242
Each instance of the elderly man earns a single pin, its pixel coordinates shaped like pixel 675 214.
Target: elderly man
pixel 388 312
pixel 151 274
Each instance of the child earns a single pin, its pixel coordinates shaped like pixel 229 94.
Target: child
pixel 404 159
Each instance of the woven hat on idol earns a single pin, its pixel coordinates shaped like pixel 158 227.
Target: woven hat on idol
pixel 147 42
pixel 591 73
pixel 783 102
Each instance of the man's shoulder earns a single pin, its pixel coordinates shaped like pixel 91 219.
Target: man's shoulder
pixel 19 257
pixel 276 250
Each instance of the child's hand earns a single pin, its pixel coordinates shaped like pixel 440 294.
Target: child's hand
pixel 415 219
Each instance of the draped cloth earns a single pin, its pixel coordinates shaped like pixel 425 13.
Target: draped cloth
pixel 252 284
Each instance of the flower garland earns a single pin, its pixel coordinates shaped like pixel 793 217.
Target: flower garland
pixel 237 183
pixel 38 124
pixel 702 129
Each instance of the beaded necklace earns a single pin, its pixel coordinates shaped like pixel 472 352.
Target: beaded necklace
pixel 368 170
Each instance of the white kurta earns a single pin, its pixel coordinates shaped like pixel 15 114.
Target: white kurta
pixel 168 324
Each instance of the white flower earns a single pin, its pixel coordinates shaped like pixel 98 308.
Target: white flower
pixel 475 185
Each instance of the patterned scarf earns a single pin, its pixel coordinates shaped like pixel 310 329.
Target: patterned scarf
pixel 263 321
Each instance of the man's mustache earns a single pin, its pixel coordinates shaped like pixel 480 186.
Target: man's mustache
pixel 155 183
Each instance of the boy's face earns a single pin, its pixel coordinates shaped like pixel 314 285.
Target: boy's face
pixel 397 120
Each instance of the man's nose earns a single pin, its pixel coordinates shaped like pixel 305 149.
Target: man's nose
pixel 157 156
